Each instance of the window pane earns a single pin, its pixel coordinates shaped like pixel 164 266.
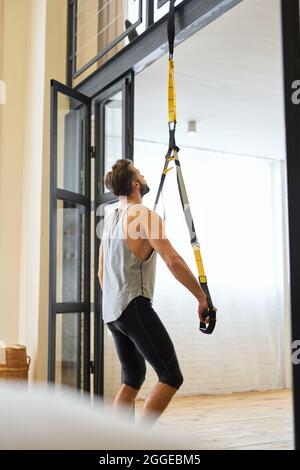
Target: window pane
pixel 70 252
pixel 161 8
pixel 113 131
pixel 69 350
pixel 71 143
pixel 101 22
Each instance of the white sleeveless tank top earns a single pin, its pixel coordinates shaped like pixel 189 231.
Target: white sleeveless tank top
pixel 124 275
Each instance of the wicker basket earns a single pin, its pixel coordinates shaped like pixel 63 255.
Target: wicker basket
pixel 16 363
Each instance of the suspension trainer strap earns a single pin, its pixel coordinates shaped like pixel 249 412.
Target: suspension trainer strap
pixel 171 102
pixel 172 155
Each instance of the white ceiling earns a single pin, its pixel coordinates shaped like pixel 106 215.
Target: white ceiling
pixel 229 79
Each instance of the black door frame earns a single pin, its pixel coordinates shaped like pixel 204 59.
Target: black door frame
pixel 124 84
pixel 291 58
pixel 67 196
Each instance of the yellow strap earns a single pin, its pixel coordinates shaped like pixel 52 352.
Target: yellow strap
pixel 172 118
pixel 199 263
pixel 168 169
pixel 172 94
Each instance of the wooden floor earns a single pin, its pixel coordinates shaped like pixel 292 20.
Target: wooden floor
pixel 252 420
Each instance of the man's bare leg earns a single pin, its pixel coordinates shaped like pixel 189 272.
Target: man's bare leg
pixel 124 400
pixel 156 403
pixel 125 397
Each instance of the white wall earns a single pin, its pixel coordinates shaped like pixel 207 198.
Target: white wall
pixel 32 181
pixel 14 58
pixel 55 67
pixel 33 51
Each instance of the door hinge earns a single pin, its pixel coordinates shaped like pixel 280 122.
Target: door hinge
pixel 92 152
pixel 92 367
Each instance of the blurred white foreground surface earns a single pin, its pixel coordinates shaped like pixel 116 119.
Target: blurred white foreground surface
pixel 36 418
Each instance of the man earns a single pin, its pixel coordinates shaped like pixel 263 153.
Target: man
pixel 127 262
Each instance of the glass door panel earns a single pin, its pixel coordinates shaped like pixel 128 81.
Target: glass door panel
pixel 69 351
pixel 112 131
pixel 71 143
pixel 70 252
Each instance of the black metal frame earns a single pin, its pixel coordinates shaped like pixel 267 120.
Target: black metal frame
pixel 72 41
pixel 125 84
pixel 160 3
pixel 291 58
pixel 149 13
pixel 84 200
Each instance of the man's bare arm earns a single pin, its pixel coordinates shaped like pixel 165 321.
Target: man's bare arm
pixel 100 268
pixel 155 231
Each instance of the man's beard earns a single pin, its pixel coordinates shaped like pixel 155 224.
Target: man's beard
pixel 144 189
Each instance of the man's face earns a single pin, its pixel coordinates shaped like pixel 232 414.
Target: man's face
pixel 141 179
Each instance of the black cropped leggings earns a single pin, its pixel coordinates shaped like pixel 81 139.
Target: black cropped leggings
pixel 140 335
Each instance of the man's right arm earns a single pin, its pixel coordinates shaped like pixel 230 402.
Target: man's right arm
pixel 154 228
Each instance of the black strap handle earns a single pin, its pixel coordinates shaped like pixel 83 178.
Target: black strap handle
pixel 210 313
pixel 172 141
